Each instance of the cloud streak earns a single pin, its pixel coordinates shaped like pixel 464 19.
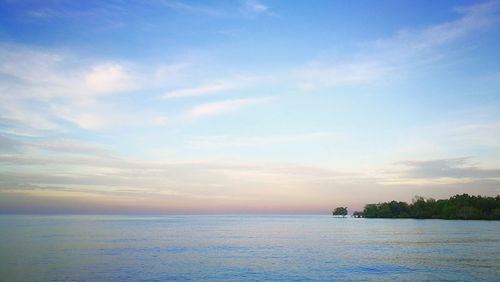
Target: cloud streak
pixel 386 59
pixel 255 184
pixel 258 141
pixel 255 6
pixel 222 107
pixel 448 168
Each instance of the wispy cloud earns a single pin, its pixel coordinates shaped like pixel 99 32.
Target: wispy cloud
pixel 31 73
pixel 192 182
pixel 189 181
pixel 68 92
pixel 247 6
pixel 222 107
pixel 219 86
pixel 36 145
pixel 66 89
pixel 320 75
pixel 8 145
pixel 201 90
pixel 447 168
pixel 226 141
pixel 473 18
pixel 44 90
pixel 183 6
pixel 475 132
pixel 109 78
pixel 67 146
pixel 255 6
pixel 388 58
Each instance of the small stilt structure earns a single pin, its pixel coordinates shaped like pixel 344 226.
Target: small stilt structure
pixel 357 214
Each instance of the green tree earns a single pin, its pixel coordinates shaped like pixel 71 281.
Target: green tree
pixel 457 207
pixel 469 213
pixel 340 211
pixel 371 211
pixel 495 214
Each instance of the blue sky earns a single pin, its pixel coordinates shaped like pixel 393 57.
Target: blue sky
pixel 246 106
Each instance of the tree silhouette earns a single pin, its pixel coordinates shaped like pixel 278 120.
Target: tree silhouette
pixel 340 211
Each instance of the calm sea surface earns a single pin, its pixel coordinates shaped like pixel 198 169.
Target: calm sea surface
pixel 235 248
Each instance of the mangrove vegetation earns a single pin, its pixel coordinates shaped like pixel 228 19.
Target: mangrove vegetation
pixel 457 207
pixel 340 211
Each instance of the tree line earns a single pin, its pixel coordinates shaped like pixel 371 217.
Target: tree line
pixel 457 207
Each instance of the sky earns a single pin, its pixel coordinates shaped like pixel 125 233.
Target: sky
pixel 194 107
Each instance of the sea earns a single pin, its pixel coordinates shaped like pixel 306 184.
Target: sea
pixel 246 248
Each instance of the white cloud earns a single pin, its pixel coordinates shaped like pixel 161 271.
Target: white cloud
pixel 74 147
pixel 222 107
pixel 182 6
pixel 108 78
pixel 226 141
pixel 465 134
pixel 43 90
pixel 171 74
pixel 439 172
pixel 69 88
pixel 322 75
pixel 192 182
pixel 200 90
pixel 255 6
pixel 218 86
pixel 33 145
pixel 247 6
pixel 39 74
pixel 385 59
pixel 19 115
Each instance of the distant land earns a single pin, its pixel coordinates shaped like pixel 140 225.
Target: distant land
pixel 456 207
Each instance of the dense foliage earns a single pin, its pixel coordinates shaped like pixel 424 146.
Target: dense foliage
pixel 457 207
pixel 340 211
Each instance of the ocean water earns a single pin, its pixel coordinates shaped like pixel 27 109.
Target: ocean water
pixel 246 248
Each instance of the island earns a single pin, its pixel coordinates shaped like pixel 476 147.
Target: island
pixel 456 207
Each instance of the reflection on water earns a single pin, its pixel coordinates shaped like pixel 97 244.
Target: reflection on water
pixel 287 248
